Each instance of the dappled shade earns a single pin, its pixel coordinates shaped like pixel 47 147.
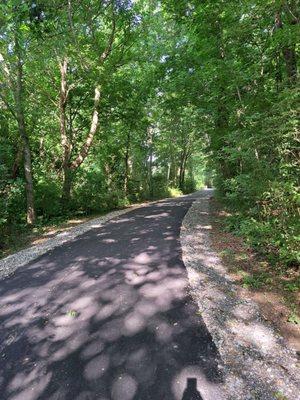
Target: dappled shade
pixel 108 316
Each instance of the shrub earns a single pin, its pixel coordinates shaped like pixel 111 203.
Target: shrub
pixel 90 192
pixel 160 188
pixel 14 202
pixel 174 192
pixel 189 186
pixel 47 197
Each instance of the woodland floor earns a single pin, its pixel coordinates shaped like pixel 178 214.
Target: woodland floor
pixel 21 239
pixel 273 289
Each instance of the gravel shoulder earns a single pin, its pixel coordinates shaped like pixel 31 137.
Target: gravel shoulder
pixel 257 363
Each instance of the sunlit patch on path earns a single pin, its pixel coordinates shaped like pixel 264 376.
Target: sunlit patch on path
pixel 108 316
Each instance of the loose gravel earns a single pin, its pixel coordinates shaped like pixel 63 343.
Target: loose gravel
pixel 11 263
pixel 257 364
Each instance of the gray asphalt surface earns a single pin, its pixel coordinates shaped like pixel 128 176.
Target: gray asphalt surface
pixel 108 316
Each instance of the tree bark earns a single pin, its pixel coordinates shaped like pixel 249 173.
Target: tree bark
pixel 69 167
pixel 289 52
pixel 150 160
pixel 18 95
pixel 126 174
pixel 17 162
pixel 65 142
pixel 183 160
pixel 18 113
pixel 67 186
pixel 93 129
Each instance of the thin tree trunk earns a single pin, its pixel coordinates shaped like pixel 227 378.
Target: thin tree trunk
pixel 182 167
pixel 180 172
pixel 93 129
pixel 18 94
pixel 69 167
pixel 151 188
pixel 65 142
pixel 17 162
pixel 150 163
pixel 168 173
pixel 126 175
pixel 67 186
pixel 289 52
pixel 172 166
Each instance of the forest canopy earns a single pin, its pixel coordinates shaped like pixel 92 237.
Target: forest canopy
pixel 104 103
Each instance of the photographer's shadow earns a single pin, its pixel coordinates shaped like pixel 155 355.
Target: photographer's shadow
pixel 191 392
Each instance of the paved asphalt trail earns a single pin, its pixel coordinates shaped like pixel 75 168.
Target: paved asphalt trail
pixel 108 317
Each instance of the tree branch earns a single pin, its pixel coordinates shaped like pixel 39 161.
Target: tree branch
pixel 8 106
pixel 94 126
pixel 111 39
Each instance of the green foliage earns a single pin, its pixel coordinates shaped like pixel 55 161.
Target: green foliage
pixel 256 281
pixel 189 185
pixel 90 192
pixel 294 319
pixel 292 286
pixel 48 191
pixel 159 187
pixel 192 93
pixel 13 203
pixel 174 192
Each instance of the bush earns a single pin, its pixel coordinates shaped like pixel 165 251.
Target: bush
pixel 90 192
pixel 117 199
pixel 189 186
pixel 47 198
pixel 272 226
pixel 12 210
pixel 13 207
pixel 174 192
pixel 160 188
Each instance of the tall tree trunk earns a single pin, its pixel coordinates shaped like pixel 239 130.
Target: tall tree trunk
pixel 67 186
pixel 65 142
pixel 172 165
pixel 89 139
pixel 69 167
pixel 181 172
pixel 183 160
pixel 18 95
pixel 168 172
pixel 288 51
pixel 17 161
pixel 151 188
pixel 150 162
pixel 126 175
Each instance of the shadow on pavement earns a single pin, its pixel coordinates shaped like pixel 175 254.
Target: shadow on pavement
pixel 191 392
pixel 108 316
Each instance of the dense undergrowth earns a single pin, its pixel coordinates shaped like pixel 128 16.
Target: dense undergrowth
pixel 262 194
pixel 88 199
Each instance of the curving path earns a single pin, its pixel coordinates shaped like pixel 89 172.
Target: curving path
pixel 108 316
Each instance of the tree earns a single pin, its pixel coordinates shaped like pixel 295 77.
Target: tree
pixel 13 73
